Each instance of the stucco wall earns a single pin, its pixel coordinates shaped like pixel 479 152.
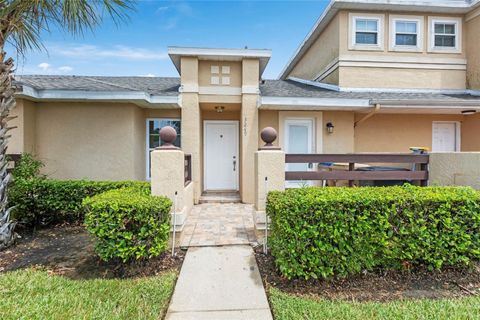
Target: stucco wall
pixel 205 74
pixel 267 118
pixel 473 51
pixel 396 132
pixel 358 77
pixel 455 169
pixel 90 140
pixel 23 137
pixel 321 53
pixel 471 133
pixel 342 138
pixel 399 69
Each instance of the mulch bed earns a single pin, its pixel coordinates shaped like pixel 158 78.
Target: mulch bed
pixel 379 285
pixel 68 250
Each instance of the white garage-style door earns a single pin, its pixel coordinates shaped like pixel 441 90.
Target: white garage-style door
pixel 445 136
pixel 221 163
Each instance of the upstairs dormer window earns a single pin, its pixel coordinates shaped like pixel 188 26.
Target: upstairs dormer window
pixel 366 31
pixel 220 75
pixel 406 33
pixel 445 34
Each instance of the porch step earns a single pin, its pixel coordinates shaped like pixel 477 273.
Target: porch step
pixel 220 197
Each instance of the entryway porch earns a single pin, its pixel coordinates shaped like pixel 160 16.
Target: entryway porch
pixel 219 224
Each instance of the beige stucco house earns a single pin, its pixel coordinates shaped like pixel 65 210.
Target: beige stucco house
pixel 371 76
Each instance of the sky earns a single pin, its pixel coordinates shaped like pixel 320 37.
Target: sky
pixel 139 47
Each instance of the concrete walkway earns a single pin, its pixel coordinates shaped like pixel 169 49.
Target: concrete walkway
pixel 219 283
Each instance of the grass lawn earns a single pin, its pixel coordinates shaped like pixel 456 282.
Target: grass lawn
pixel 30 294
pixel 289 307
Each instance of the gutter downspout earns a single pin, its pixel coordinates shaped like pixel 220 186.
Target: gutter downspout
pixel 368 115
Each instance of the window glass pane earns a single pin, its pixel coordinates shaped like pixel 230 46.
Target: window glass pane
pixel 366 25
pixel 361 24
pixel 154 141
pixel 366 38
pixel 406 40
pixel 445 41
pixel 449 29
pixel 439 28
pixel 372 25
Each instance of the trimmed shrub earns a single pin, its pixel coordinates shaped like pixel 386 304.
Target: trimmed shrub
pixel 42 201
pixel 128 223
pixel 27 167
pixel 325 232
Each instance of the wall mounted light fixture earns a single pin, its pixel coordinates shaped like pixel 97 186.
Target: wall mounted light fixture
pixel 330 127
pixel 219 109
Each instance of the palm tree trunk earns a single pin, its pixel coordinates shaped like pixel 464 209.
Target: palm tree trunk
pixel 7 102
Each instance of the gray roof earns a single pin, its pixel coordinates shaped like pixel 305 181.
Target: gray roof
pixel 162 86
pixel 290 88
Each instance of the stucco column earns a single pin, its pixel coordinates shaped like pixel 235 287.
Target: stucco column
pixel 249 127
pixel 167 177
pixel 191 119
pixel 269 174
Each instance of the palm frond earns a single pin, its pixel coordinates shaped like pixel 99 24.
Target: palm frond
pixel 23 21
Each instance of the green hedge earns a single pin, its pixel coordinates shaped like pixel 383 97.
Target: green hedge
pixel 128 223
pixel 325 232
pixel 42 201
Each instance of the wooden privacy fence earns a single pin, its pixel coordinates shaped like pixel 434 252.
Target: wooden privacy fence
pixel 188 168
pixel 418 172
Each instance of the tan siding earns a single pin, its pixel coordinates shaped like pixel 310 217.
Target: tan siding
pixel 351 77
pixel 205 74
pixel 88 140
pixel 341 140
pixel 471 133
pixel 23 136
pixel 396 132
pixel 267 118
pixel 321 53
pixel 473 53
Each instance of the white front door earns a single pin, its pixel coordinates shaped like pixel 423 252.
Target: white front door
pixel 221 163
pixel 299 140
pixel 445 137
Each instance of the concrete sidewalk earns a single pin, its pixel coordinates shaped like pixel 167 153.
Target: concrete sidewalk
pixel 219 283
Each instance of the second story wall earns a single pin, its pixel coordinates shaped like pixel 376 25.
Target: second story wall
pixel 402 50
pixel 395 50
pixel 473 49
pixel 321 54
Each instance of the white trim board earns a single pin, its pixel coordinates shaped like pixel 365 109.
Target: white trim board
pixel 109 96
pixel 384 90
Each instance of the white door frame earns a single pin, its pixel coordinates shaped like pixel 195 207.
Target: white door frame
pixel 205 142
pixel 458 134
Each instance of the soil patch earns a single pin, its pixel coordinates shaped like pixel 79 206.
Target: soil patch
pixel 379 285
pixel 68 250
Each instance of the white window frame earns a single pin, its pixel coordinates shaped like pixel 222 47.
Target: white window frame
pixel 458 34
pixel 393 33
pixel 353 17
pixel 147 143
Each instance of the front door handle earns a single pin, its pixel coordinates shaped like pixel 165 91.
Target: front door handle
pixel 234 165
